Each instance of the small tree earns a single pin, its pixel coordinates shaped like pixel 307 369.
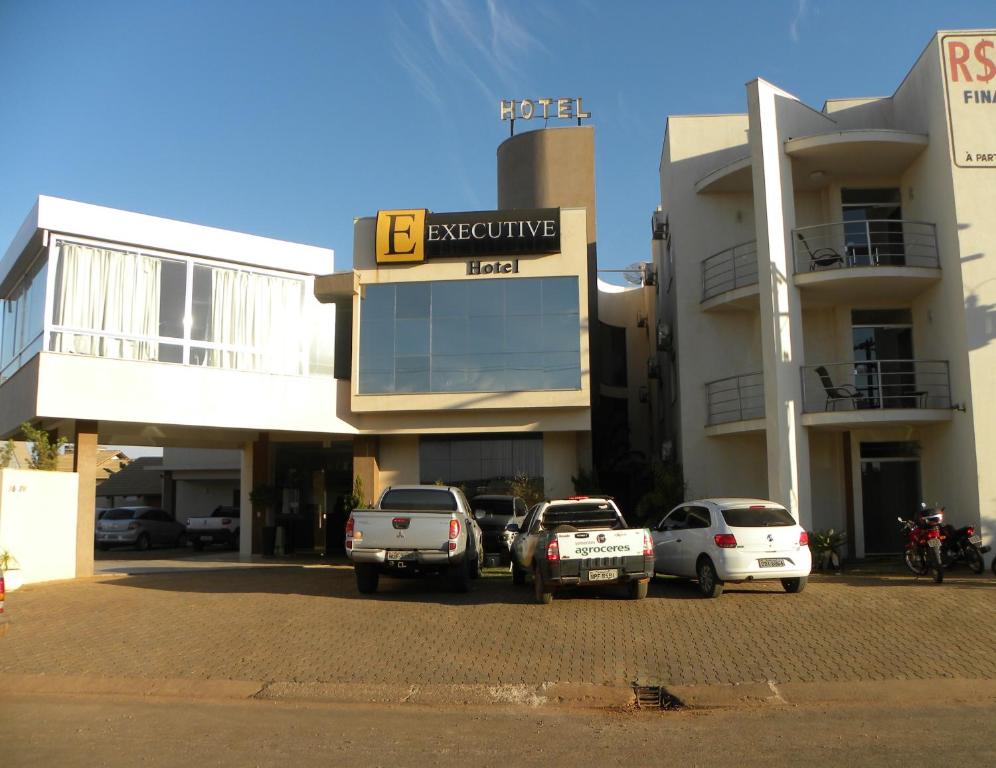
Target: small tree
pixel 668 490
pixel 529 489
pixel 6 454
pixel 355 499
pixel 44 455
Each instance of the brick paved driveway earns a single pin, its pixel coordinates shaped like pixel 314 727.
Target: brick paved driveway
pixel 305 624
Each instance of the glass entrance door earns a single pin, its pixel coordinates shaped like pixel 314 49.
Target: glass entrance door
pixel 890 488
pixel 884 373
pixel 873 228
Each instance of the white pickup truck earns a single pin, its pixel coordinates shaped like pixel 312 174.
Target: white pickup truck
pixel 221 527
pixel 580 542
pixel 415 530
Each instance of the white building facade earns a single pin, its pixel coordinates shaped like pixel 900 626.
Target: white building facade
pixel 827 291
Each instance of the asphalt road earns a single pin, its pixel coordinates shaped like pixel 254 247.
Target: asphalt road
pixel 94 731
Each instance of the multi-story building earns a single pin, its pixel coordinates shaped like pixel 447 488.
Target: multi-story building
pixel 827 292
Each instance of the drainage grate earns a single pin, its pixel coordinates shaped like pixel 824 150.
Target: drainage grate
pixel 655 697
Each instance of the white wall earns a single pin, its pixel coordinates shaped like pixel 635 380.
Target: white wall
pixel 38 522
pixel 198 498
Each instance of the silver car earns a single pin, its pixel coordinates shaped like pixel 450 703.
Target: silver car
pixel 139 527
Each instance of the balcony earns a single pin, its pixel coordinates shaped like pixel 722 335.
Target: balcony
pixel 729 278
pixel 876 392
pixel 735 405
pixel 865 259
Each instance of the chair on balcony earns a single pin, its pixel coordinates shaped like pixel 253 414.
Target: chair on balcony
pixel 835 394
pixel 821 257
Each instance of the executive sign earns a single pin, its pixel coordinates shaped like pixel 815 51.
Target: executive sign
pixel 969 71
pixel 414 235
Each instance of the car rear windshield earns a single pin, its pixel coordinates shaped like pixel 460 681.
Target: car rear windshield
pixel 225 512
pixel 119 514
pixel 584 515
pixel 410 499
pixel 499 506
pixel 757 517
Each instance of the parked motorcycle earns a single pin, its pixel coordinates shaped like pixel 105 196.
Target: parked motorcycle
pixel 923 544
pixel 962 545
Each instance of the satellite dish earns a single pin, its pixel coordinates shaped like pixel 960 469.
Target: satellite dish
pixel 634 273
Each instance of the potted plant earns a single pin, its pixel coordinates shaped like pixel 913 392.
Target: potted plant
pixel 825 546
pixel 11 570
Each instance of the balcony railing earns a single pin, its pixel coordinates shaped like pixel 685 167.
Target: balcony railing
pixel 867 384
pixel 865 243
pixel 735 398
pixel 732 268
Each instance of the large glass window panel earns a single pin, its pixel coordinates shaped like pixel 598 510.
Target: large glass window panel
pixel 560 333
pixel 486 297
pixel 412 300
pixel 449 336
pixel 172 298
pixel 412 335
pixel 489 335
pixel 524 297
pixel 449 299
pixel 201 303
pixel 522 333
pixel 560 295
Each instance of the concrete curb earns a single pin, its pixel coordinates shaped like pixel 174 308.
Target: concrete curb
pixel 565 695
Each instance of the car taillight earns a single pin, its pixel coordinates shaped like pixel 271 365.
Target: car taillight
pixel 970 531
pixel 349 527
pixel 648 546
pixel 454 529
pixel 226 521
pixel 725 540
pixel 804 539
pixel 553 550
pixel 132 526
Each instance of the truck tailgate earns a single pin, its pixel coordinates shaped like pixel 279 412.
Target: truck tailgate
pixel 411 531
pixel 601 545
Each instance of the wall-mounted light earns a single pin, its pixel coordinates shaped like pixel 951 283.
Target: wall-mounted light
pixel 958 407
pixel 817 175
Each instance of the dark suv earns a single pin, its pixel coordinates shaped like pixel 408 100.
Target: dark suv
pixel 493 513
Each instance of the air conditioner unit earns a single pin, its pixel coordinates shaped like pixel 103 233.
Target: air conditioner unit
pixel 664 337
pixel 659 225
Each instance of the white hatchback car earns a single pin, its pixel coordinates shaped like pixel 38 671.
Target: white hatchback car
pixel 720 540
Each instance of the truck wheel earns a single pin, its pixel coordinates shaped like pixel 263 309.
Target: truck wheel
pixel 367 577
pixel 518 575
pixel 476 565
pixel 198 544
pixel 638 589
pixel 459 577
pixel 540 592
pixel 234 541
pixel 143 544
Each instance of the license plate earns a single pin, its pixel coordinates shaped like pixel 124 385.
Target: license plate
pixel 398 555
pixel 771 562
pixel 603 574
pixel 933 543
pixel 976 539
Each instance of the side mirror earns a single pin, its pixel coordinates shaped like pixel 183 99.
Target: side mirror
pixel 512 527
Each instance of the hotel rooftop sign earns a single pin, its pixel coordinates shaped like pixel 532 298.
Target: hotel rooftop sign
pixel 527 109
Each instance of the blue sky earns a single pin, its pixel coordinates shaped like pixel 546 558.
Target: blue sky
pixel 287 119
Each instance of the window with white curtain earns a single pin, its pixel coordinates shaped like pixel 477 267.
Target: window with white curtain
pixel 22 319
pixel 131 305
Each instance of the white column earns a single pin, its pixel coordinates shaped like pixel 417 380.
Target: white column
pixel 781 314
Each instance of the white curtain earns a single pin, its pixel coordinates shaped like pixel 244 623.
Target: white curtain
pixel 260 318
pixel 107 291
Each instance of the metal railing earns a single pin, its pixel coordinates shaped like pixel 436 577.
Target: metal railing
pixel 735 398
pixel 729 269
pixel 865 243
pixel 882 384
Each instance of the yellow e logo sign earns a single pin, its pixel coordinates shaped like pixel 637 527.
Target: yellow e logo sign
pixel 401 236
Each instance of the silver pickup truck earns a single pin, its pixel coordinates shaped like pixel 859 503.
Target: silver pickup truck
pixel 415 530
